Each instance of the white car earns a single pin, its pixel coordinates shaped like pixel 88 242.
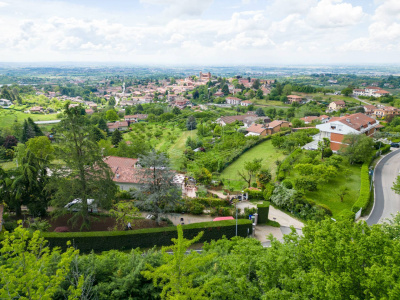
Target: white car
pixel 75 205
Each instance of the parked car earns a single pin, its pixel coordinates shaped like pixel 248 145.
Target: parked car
pixel 76 204
pixel 395 145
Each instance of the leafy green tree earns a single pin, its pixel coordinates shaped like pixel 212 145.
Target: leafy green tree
pixel 111 115
pixel 342 192
pixel 116 137
pixel 176 111
pixel 191 123
pixel 124 212
pixel 111 102
pixel 225 89
pixel 298 123
pixel 85 174
pixel 256 84
pixel 287 89
pixel 28 185
pixel 260 112
pixel 347 91
pixel 41 147
pixel 29 269
pixel 357 147
pixel 103 125
pixel 250 169
pixel 322 145
pixel 10 142
pixel 264 177
pixel 259 94
pixel 97 134
pixel 27 132
pixel 157 193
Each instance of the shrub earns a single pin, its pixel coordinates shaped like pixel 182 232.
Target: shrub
pixel 328 152
pixel 324 207
pixel 385 149
pixel 305 183
pixel 347 214
pixel 269 189
pixel 263 211
pixel 287 184
pixel 145 238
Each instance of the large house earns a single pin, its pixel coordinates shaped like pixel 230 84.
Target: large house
pixel 233 100
pixel 371 91
pixel 204 77
pixel 337 128
pixel 36 109
pixel 5 102
pixel 386 111
pixel 119 125
pixel 231 119
pixel 136 118
pixel 336 105
pixel 294 98
pixel 310 119
pixel 267 129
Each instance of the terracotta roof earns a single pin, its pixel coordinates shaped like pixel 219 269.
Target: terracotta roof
pixel 123 169
pixel 309 118
pixel 294 96
pixel 371 107
pixel 117 124
pixel 256 128
pixel 276 123
pixel 231 119
pixel 356 121
pixel 233 98
pixel 339 102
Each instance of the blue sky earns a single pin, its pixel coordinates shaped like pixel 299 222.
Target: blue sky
pixel 202 32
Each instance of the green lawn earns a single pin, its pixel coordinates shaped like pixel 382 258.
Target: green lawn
pixel 7 117
pixel 326 193
pixel 265 150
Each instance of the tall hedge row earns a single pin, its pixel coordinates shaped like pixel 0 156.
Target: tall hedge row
pixel 363 198
pixel 263 211
pixel 289 160
pixel 145 238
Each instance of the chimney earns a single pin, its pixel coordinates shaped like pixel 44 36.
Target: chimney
pixel 117 176
pixel 348 120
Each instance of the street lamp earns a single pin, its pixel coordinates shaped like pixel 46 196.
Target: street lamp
pixel 236 214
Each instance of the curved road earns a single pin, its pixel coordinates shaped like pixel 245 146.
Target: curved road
pixel 387 202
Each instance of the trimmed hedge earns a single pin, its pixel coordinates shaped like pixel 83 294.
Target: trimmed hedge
pixel 145 238
pixel 363 198
pixel 263 211
pixel 214 202
pixel 254 194
pixel 385 149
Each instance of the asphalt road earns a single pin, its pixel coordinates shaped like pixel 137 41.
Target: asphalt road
pixel 387 202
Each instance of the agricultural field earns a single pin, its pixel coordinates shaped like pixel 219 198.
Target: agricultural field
pixel 265 151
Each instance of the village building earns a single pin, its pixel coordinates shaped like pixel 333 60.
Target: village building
pixel 246 103
pixel 336 105
pixel 135 118
pixel 233 100
pixel 118 125
pixel 36 109
pixel 294 98
pixel 267 129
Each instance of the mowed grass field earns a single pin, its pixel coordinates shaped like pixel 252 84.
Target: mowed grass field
pixel 176 151
pixel 8 116
pixel 265 151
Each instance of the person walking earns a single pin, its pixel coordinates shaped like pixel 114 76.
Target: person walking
pixel 129 226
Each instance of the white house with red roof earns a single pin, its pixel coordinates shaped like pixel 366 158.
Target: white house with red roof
pixel 371 91
pixel 233 100
pixel 337 128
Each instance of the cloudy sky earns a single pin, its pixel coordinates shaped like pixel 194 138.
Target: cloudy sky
pixel 219 32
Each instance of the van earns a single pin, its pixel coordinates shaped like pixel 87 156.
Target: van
pixel 75 205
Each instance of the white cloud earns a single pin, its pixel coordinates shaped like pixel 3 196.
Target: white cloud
pixel 3 4
pixel 334 13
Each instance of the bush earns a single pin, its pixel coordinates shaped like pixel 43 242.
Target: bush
pixel 305 183
pixel 10 226
pixel 328 152
pixel 263 211
pixel 385 149
pixel 287 184
pixel 347 214
pixel 325 208
pixel 145 238
pixel 268 191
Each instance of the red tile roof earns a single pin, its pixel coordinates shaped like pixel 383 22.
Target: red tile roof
pixel 256 128
pixel 123 169
pixel 356 121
